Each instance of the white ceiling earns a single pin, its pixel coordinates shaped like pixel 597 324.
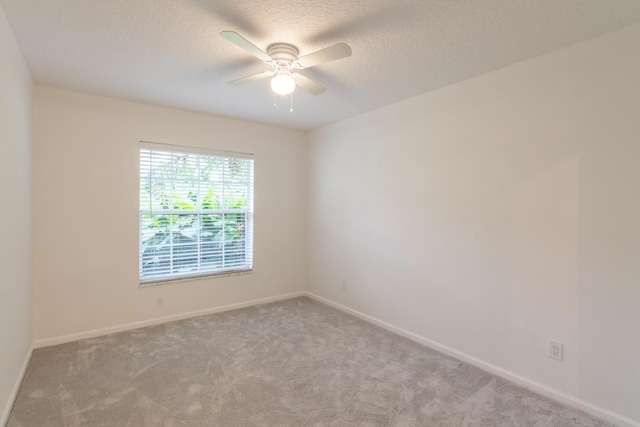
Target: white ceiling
pixel 168 52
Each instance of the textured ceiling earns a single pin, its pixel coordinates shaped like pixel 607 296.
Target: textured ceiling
pixel 168 52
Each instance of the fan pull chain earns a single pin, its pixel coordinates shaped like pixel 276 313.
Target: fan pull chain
pixel 275 105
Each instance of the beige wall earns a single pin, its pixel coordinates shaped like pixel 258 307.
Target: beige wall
pixel 15 215
pixel 86 211
pixel 495 214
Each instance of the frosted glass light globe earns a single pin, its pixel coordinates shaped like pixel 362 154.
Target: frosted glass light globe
pixel 283 84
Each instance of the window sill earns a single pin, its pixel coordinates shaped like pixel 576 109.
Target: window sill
pixel 171 280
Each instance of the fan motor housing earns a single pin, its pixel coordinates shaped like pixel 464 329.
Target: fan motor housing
pixel 283 52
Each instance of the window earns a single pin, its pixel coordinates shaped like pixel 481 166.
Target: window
pixel 196 212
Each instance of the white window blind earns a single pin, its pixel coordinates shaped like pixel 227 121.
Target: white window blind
pixel 196 213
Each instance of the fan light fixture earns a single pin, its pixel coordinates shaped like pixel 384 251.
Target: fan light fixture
pixel 283 84
pixel 284 60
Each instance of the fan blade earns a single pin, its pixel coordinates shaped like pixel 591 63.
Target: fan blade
pixel 331 53
pixel 307 84
pixel 245 44
pixel 252 78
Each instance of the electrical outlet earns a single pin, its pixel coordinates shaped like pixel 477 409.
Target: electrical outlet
pixel 159 302
pixel 556 350
pixel 344 285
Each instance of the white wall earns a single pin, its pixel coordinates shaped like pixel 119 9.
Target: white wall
pixel 15 215
pixel 495 214
pixel 86 211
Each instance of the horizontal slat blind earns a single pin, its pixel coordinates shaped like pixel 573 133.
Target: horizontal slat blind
pixel 196 214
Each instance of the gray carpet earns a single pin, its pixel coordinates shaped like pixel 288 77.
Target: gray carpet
pixel 289 363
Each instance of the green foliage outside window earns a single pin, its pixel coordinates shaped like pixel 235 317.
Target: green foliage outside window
pixel 194 213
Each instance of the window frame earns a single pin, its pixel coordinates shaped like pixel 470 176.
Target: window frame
pixel 248 212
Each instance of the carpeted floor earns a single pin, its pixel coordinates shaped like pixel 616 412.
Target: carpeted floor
pixel 289 363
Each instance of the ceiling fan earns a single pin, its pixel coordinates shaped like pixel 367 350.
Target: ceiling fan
pixel 283 57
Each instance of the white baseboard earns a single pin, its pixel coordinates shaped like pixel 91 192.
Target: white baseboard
pixel 62 339
pixel 16 387
pixel 517 379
